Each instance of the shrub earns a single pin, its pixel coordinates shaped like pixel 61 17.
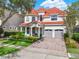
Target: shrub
pixel 7 34
pixel 66 35
pixel 17 37
pixel 32 38
pixel 1 31
pixel 71 43
pixel 76 37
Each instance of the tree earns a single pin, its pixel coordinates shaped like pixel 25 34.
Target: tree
pixel 70 23
pixel 14 6
pixel 23 5
pixel 71 18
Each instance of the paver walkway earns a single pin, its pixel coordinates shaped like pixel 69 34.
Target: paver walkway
pixel 46 49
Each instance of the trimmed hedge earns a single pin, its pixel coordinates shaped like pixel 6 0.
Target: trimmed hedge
pixel 66 35
pixel 7 34
pixel 76 37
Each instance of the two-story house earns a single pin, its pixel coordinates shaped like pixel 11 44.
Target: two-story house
pixel 46 22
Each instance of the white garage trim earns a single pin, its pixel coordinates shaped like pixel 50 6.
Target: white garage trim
pixel 53 33
pixel 55 27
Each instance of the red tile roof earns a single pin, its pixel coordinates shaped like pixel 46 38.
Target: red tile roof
pixel 44 23
pixel 54 11
pixel 41 10
pixel 24 24
pixel 48 11
pixel 34 12
pixel 53 23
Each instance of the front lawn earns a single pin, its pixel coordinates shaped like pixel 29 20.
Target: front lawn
pixel 20 42
pixel 72 45
pixel 7 50
pixel 73 50
pixel 73 58
pixel 19 39
pixel 17 42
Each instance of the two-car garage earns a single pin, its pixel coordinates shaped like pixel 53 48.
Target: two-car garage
pixel 54 32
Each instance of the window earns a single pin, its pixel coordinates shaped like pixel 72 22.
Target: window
pixel 54 17
pixel 33 18
pixel 48 30
pixel 41 18
pixel 26 18
pixel 28 30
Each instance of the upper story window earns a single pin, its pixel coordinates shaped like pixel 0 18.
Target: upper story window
pixel 54 17
pixel 33 18
pixel 26 18
pixel 40 17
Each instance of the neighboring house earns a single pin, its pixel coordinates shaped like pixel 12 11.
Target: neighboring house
pixel 46 22
pixel 12 25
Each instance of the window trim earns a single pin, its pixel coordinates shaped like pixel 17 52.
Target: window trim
pixel 34 18
pixel 56 16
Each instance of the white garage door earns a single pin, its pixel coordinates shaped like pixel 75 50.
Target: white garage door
pixel 48 33
pixel 59 33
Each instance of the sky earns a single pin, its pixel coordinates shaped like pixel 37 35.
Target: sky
pixel 61 4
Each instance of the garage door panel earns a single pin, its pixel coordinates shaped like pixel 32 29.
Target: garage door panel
pixel 59 33
pixel 48 33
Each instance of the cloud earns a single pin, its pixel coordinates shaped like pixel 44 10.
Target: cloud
pixel 54 3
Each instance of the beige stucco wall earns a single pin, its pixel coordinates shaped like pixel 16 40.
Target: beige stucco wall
pixel 48 19
pixel 28 19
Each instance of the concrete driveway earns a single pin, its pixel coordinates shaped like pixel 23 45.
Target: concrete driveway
pixel 45 49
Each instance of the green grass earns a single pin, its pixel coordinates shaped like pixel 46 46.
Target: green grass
pixel 73 58
pixel 23 43
pixel 17 42
pixel 73 50
pixel 7 50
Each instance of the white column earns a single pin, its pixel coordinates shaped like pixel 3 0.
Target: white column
pixel 25 31
pixel 31 31
pixel 42 31
pixel 0 22
pixel 39 32
pixel 20 29
pixel 53 33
